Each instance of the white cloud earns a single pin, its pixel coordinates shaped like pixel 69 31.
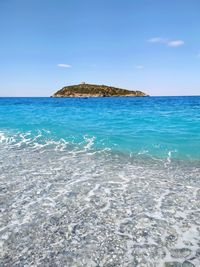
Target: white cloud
pixel 167 42
pixel 139 67
pixel 64 65
pixel 175 43
pixel 157 40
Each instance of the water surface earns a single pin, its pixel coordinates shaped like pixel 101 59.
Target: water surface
pixel 100 181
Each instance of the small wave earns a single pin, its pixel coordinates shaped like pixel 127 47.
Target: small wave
pixel 44 139
pixel 41 140
pixel 89 142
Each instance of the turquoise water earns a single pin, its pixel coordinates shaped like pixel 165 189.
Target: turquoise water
pixel 155 126
pixel 100 182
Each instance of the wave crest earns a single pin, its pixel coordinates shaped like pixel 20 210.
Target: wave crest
pixel 44 139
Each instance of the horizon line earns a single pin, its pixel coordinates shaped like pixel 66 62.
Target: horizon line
pixel 101 97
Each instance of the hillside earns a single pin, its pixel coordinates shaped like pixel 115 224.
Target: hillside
pixel 91 90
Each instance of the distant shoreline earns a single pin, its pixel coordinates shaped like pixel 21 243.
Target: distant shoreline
pixel 92 90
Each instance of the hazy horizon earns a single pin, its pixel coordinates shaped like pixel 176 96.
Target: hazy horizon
pixel 45 45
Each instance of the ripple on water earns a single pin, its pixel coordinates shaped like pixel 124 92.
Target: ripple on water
pixel 77 208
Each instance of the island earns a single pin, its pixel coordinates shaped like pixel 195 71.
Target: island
pixel 93 90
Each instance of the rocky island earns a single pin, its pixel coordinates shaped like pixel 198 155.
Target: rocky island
pixel 92 90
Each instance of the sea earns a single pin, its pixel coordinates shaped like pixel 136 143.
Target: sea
pixel 100 182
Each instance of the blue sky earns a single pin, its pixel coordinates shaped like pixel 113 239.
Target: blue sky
pixel 149 45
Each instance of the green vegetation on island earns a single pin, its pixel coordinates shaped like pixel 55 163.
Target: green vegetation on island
pixel 92 90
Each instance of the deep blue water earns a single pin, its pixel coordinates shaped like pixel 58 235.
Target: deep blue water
pixel 100 182
pixel 154 126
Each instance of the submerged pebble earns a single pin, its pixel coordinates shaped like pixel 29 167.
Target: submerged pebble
pixel 180 253
pixel 173 264
pixel 187 264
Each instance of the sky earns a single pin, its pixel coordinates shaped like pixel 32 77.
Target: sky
pixel 147 45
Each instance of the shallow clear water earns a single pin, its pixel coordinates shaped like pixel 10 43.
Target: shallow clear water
pixel 100 182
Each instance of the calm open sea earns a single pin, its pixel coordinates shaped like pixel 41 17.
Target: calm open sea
pixel 100 182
